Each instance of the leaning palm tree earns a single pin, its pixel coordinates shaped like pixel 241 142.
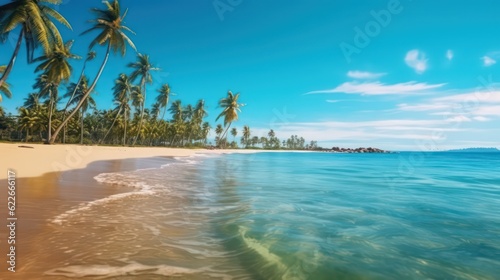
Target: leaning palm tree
pixel 37 28
pixel 90 56
pixel 56 69
pixel 89 102
pixel 5 87
pixel 109 22
pixel 142 69
pixel 230 108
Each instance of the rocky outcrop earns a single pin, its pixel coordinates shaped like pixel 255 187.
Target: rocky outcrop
pixel 360 150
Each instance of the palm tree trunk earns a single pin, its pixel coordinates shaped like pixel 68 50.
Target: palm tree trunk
pixel 73 95
pixel 140 125
pixel 81 127
pixel 13 58
pixel 112 124
pixel 223 134
pixel 51 110
pixel 84 98
pixel 164 111
pixel 143 85
pixel 125 126
pixel 64 135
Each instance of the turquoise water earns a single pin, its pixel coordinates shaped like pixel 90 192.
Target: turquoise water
pixel 300 216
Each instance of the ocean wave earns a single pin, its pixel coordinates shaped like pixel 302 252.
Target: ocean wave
pixel 137 179
pixel 61 218
pixel 132 268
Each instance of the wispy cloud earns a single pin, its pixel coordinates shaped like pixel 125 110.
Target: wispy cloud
pixel 481 119
pixel 332 101
pixel 378 88
pixel 423 107
pixel 364 75
pixel 472 106
pixel 488 61
pixel 471 97
pixel 416 60
pixel 449 54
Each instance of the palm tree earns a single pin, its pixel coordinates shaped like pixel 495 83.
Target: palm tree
pixel 255 141
pixel 163 97
pixel 155 111
pixel 47 89
pixel 88 103
pixel 5 87
pixel 29 119
pixel 205 130
pixel 218 131
pixel 109 22
pixel 90 56
pixel 177 110
pixel 246 136
pixel 230 107
pixel 34 17
pixel 234 132
pixel 142 68
pixel 56 69
pixel 32 101
pixel 121 92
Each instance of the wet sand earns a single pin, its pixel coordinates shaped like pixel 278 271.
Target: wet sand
pixel 40 199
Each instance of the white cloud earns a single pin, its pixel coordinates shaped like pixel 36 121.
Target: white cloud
pixel 484 96
pixel 481 119
pixel 458 119
pixel 332 101
pixel 486 111
pixel 449 54
pixel 416 60
pixel 423 107
pixel 488 61
pixel 472 106
pixel 377 88
pixel 364 75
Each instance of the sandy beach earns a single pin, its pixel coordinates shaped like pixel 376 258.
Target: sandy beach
pixel 29 160
pixel 55 179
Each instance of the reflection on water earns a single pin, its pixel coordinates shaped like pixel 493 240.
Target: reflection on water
pixel 274 216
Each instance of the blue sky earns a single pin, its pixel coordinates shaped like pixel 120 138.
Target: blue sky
pixel 399 75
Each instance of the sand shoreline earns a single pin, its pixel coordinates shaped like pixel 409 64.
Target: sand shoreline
pixel 55 181
pixel 32 160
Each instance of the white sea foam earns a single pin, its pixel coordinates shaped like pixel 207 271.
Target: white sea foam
pixel 132 268
pixel 61 218
pixel 135 179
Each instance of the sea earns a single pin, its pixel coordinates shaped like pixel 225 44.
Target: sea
pixel 311 215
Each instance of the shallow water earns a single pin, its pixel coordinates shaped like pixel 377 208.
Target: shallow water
pixel 288 216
